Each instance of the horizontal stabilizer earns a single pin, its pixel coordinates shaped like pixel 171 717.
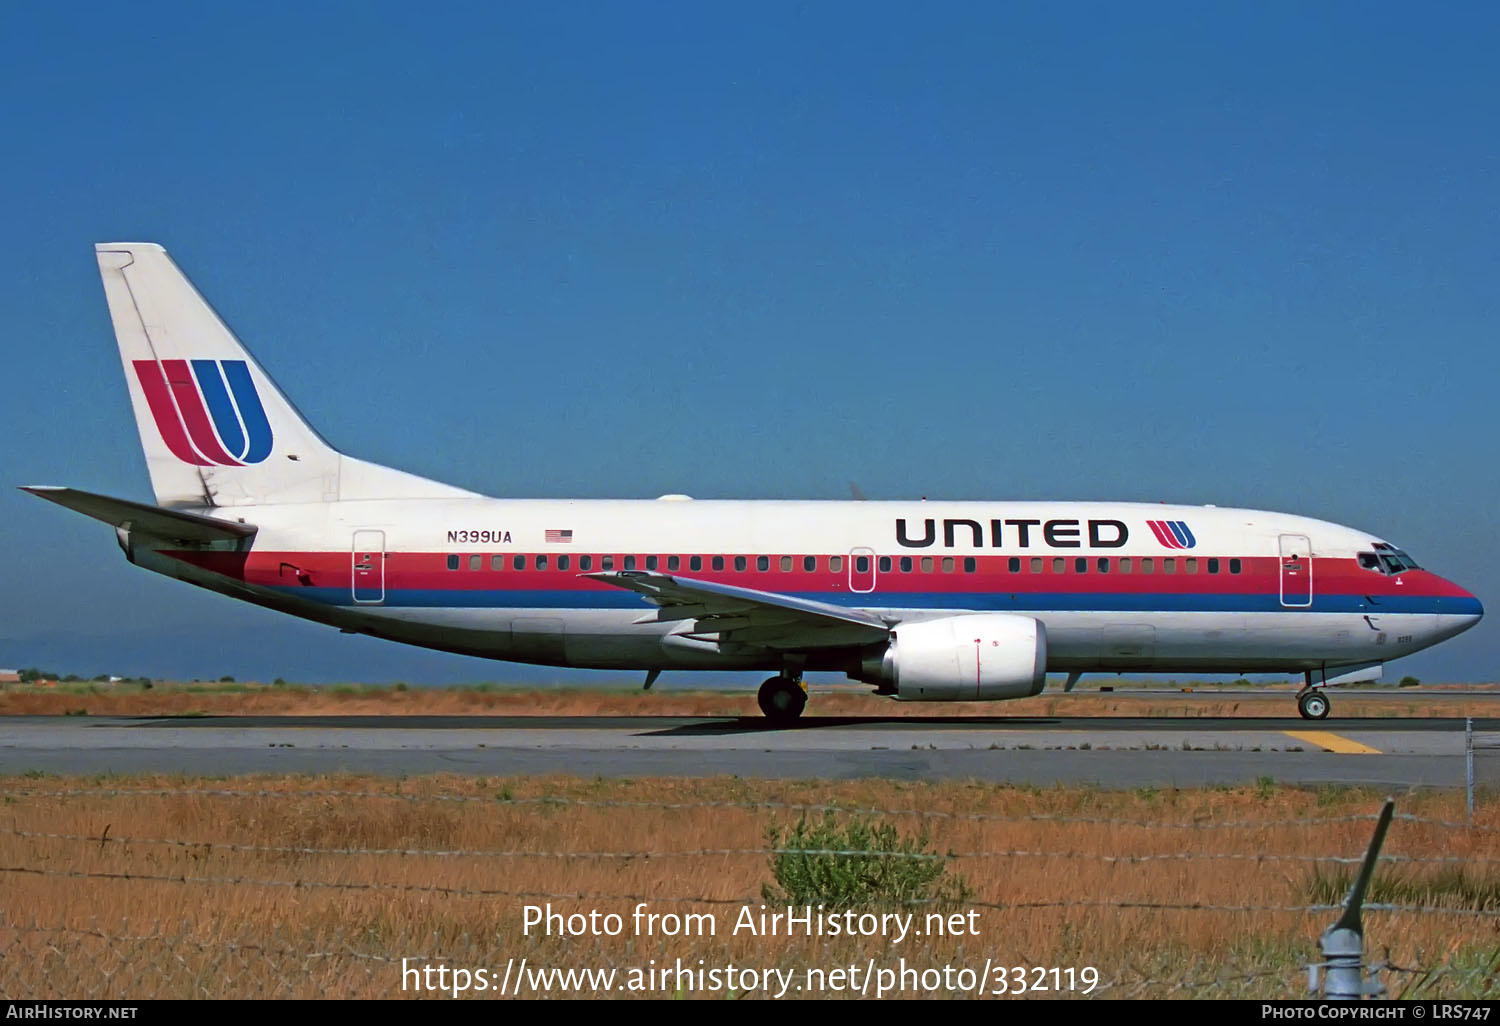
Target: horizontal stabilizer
pixel 167 524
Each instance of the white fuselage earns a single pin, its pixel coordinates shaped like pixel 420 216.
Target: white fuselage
pixel 503 578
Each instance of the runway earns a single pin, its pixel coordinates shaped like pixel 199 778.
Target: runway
pixel 1104 751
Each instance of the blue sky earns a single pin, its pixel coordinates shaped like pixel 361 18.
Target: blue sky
pixel 1241 254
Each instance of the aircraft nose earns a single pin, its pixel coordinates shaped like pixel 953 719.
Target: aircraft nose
pixel 1458 609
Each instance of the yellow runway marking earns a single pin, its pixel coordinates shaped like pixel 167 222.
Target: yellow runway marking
pixel 1332 742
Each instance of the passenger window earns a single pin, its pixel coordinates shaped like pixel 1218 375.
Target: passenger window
pixel 1059 565
pixel 969 565
pixel 452 562
pixel 629 563
pixel 1124 564
pixel 1190 566
pixel 762 562
pixel 1036 564
pixel 518 562
pixel 674 563
pixel 651 563
pixel 718 562
pixel 740 562
pixel 476 562
pixel 1015 565
pixel 1169 565
pixel 885 564
pixel 1104 565
pixel 786 564
pixel 606 562
pixel 906 564
pixel 585 562
pixel 695 562
pixel 562 562
pixel 1213 566
pixel 947 564
pixel 809 564
pixel 541 562
pixel 497 562
pixel 835 564
pixel 1081 565
pixel 862 564
pixel 927 564
pixel 1148 564
pixel 1234 566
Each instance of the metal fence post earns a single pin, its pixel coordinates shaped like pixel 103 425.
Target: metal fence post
pixel 1343 943
pixel 1469 767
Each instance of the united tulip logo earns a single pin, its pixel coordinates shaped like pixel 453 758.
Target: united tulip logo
pixel 208 411
pixel 1173 534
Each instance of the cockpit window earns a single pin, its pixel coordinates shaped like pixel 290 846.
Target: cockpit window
pixel 1387 559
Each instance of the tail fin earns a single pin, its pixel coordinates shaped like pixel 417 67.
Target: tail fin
pixel 216 429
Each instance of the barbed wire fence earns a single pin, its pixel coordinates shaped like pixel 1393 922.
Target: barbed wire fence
pixel 158 958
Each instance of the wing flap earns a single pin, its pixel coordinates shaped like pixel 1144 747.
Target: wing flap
pixel 746 615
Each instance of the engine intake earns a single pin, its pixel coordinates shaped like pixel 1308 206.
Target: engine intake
pixel 966 658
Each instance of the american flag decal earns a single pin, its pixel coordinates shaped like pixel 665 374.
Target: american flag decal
pixel 559 537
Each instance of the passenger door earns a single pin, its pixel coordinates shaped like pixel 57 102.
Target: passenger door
pixel 1296 571
pixel 369 567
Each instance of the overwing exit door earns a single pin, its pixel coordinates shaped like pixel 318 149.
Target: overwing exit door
pixel 861 569
pixel 369 567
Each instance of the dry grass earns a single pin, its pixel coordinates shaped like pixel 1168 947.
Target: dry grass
pixel 248 938
pixel 837 700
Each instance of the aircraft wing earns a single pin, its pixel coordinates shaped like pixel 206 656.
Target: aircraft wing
pixel 167 524
pixel 724 612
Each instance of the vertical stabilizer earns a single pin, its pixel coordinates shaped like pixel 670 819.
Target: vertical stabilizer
pixel 216 429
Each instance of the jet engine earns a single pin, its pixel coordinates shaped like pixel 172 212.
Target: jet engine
pixel 966 658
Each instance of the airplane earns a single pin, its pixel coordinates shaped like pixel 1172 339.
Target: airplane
pixel 925 601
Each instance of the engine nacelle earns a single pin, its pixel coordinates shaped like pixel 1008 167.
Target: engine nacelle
pixel 966 658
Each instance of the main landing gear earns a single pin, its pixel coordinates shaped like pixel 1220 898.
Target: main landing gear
pixel 1312 703
pixel 782 699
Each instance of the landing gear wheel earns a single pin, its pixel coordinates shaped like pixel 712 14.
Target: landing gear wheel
pixel 782 699
pixel 1313 704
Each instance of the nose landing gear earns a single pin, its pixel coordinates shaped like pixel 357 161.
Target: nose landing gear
pixel 1312 704
pixel 782 699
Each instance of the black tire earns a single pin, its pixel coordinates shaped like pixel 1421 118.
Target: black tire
pixel 1313 704
pixel 782 700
